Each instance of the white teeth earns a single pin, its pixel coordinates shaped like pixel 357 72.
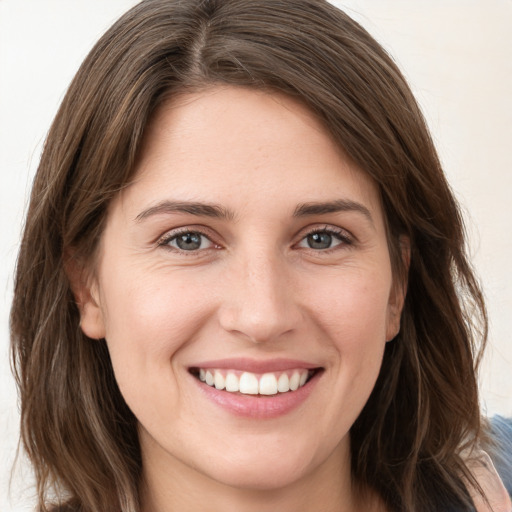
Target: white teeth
pixel 268 384
pixel 294 381
pixel 219 380
pixel 283 384
pixel 232 383
pixel 248 383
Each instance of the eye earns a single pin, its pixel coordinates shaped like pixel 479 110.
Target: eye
pixel 324 239
pixel 187 241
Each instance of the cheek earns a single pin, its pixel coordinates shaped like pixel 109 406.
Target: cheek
pixel 148 323
pixel 352 314
pixel 354 309
pixel 349 310
pixel 148 319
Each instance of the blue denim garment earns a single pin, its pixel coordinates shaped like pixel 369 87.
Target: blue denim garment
pixel 501 430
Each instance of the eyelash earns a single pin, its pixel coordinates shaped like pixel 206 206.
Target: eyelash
pixel 345 239
pixel 165 240
pixel 341 235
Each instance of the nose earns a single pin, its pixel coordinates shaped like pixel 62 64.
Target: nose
pixel 260 303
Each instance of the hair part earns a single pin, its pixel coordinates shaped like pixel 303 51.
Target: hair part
pixel 75 426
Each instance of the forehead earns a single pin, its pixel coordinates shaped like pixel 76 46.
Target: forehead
pixel 243 146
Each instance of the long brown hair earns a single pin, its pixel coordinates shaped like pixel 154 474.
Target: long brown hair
pixel 78 432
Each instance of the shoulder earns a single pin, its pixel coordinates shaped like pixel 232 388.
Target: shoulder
pixel 493 469
pixel 501 433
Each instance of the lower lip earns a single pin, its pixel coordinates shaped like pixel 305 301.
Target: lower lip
pixel 259 406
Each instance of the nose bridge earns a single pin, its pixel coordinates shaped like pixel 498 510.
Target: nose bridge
pixel 260 302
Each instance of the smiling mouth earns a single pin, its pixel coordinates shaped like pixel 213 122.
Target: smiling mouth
pixel 248 383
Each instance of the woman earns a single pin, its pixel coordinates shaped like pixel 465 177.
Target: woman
pixel 240 283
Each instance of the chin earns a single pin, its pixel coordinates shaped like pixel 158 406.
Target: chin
pixel 262 477
pixel 266 466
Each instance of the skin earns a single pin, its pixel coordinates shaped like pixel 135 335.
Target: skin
pixel 254 289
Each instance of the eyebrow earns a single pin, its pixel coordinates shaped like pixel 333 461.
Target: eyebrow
pixel 339 205
pixel 219 212
pixel 190 207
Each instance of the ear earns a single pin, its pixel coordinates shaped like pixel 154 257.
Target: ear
pixel 398 290
pixel 86 292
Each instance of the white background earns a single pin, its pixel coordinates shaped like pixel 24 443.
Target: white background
pixel 457 55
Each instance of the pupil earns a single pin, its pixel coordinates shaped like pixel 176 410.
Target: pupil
pixel 189 241
pixel 319 240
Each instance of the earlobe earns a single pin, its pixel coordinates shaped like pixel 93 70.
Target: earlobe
pixel 393 326
pixel 86 292
pixel 395 307
pixel 91 316
pixel 399 290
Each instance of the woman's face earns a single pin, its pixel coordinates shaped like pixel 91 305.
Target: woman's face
pixel 249 252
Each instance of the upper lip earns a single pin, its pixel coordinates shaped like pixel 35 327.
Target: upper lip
pixel 255 365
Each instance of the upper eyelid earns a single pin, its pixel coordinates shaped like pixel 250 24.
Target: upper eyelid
pixel 171 233
pixel 164 240
pixel 318 228
pixel 345 237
